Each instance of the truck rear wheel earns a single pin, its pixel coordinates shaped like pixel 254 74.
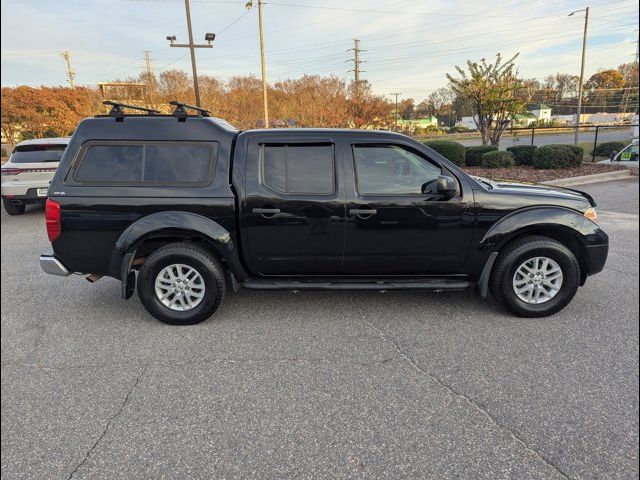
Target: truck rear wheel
pixel 181 284
pixel 13 208
pixel 535 277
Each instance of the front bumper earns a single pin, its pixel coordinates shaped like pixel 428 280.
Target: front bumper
pixel 51 265
pixel 597 257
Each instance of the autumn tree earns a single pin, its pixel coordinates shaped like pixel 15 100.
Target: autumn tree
pixel 369 110
pixel 604 90
pixel 491 88
pixel 311 100
pixel 45 112
pixel 629 72
pixel 407 108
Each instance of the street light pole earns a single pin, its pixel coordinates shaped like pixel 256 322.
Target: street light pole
pixel 209 37
pixel 584 51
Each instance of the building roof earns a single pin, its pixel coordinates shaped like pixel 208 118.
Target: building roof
pixel 522 116
pixel 538 106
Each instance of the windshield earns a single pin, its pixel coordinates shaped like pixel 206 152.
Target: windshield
pixel 37 153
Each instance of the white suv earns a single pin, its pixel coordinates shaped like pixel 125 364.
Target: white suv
pixel 28 172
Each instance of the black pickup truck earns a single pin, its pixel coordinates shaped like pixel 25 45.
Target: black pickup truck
pixel 184 207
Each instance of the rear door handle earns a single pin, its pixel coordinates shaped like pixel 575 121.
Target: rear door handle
pixel 363 211
pixel 266 211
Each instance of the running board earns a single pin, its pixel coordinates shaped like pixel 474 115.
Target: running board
pixel 435 284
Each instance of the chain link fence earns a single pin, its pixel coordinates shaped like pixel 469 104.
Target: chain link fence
pixel 598 141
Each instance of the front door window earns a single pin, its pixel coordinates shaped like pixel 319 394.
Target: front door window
pixel 391 170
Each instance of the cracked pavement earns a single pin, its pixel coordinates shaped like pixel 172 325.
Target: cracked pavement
pixel 319 384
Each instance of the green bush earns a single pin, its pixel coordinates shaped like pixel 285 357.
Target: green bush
pixel 522 154
pixel 458 129
pixel 557 156
pixel 607 148
pixel 473 155
pixel 452 151
pixel 3 153
pixel 497 160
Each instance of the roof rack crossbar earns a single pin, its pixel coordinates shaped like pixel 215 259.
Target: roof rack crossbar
pixel 181 109
pixel 117 108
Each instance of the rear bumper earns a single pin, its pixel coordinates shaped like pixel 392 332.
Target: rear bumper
pixel 51 265
pixel 23 195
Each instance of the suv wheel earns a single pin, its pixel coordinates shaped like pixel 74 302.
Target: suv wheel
pixel 181 284
pixel 13 208
pixel 535 277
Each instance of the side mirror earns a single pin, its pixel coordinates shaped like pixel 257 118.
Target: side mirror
pixel 612 155
pixel 447 186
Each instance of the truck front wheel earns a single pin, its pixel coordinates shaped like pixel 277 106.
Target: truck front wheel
pixel 535 276
pixel 181 284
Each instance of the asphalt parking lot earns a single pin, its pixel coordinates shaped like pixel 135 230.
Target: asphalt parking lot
pixel 319 384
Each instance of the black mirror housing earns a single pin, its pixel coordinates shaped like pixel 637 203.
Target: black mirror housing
pixel 447 186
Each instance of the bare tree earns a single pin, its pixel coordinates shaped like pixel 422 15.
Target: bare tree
pixel 439 99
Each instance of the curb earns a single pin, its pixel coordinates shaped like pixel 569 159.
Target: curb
pixel 595 178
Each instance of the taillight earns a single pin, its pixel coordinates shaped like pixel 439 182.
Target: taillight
pixel 52 216
pixel 10 171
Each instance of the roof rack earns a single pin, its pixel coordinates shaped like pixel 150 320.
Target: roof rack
pixel 117 109
pixel 181 110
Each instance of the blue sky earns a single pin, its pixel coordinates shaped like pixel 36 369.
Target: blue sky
pixel 409 44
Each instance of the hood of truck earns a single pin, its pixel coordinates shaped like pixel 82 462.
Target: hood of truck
pixel 541 193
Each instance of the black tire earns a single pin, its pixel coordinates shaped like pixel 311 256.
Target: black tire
pixel 513 255
pixel 195 257
pixel 13 208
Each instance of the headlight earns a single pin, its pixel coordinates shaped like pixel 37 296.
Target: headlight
pixel 591 214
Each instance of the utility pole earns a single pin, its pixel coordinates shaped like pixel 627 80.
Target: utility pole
pixel 584 52
pixel 209 37
pixel 263 62
pixel 356 65
pixel 396 94
pixel 71 75
pixel 263 67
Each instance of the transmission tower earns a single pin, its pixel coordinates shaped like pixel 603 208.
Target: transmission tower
pixel 357 61
pixel 148 68
pixel 71 75
pixel 397 113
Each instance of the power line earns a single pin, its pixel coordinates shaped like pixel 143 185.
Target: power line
pixel 234 22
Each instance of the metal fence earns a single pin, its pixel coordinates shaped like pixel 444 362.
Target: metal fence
pixel 589 137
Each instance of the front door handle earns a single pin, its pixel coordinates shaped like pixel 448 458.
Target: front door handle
pixel 363 211
pixel 266 211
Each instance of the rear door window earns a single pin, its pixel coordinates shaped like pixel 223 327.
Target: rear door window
pixel 38 153
pixel 147 163
pixel 299 168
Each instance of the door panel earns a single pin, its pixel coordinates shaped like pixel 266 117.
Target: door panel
pixel 394 229
pixel 293 212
